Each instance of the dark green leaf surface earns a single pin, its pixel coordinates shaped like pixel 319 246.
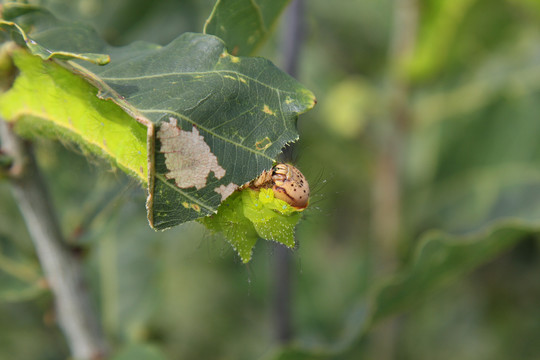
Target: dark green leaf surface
pixel 244 24
pixel 440 259
pixel 20 279
pixel 59 44
pixel 139 352
pixel 226 118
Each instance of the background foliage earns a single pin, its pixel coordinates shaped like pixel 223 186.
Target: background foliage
pixel 425 122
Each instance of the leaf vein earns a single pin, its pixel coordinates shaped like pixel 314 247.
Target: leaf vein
pixel 218 72
pixel 177 189
pixel 183 117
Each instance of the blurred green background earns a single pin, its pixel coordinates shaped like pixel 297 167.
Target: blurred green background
pixel 427 118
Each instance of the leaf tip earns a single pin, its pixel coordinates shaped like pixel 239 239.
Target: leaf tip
pixel 312 100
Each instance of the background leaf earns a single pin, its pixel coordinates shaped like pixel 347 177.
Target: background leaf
pixel 244 24
pixel 139 352
pixel 439 260
pixel 20 277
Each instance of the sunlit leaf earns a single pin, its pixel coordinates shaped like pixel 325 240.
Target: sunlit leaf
pixel 249 214
pixel 49 100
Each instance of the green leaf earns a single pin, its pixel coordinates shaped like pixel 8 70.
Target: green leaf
pixel 244 24
pixel 139 352
pixel 16 292
pixel 49 100
pixel 272 218
pixel 61 48
pixel 20 278
pixel 249 214
pixel 235 227
pixel 439 260
pixel 435 36
pixel 214 121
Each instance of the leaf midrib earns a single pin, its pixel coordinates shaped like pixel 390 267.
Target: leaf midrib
pixel 183 117
pixel 134 78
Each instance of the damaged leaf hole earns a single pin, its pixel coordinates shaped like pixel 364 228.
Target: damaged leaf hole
pixel 188 158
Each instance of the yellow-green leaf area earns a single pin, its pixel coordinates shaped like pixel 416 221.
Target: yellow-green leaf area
pixel 272 218
pixel 46 98
pixel 250 214
pixel 235 227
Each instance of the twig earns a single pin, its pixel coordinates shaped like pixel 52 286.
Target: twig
pixel 62 270
pixel 281 271
pixel 291 44
pixel 293 37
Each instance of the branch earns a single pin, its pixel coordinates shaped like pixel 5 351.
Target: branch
pixel 63 271
pixel 291 44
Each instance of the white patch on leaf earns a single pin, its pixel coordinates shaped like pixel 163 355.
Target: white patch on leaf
pixel 225 191
pixel 187 156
